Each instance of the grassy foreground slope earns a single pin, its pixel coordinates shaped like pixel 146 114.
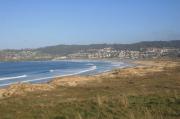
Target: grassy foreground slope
pixel 149 91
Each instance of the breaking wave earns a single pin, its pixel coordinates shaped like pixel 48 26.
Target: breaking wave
pixel 16 77
pixel 45 78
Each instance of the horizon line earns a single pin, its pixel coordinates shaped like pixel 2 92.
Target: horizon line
pixel 88 44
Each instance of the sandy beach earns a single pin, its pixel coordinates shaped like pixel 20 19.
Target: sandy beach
pixel 142 68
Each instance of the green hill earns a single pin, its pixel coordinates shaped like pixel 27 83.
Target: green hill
pixel 67 49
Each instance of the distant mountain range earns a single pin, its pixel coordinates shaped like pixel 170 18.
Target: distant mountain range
pixel 69 49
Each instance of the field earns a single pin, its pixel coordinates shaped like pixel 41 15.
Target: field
pixel 149 91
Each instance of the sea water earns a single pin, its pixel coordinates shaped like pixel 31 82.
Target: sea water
pixel 44 71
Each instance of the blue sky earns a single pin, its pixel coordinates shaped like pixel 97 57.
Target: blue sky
pixel 37 23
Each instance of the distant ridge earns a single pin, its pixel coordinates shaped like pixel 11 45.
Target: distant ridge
pixel 68 49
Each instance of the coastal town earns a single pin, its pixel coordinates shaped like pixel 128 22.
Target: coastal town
pixel 143 53
pixel 126 54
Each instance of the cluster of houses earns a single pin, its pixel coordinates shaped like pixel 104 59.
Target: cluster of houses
pixel 126 54
pixel 25 54
pixel 93 54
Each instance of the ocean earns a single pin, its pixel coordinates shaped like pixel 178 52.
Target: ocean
pixel 44 71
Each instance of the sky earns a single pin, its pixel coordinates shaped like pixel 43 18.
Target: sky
pixel 39 23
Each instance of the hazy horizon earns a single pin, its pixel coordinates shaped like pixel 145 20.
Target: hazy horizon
pixel 85 44
pixel 40 23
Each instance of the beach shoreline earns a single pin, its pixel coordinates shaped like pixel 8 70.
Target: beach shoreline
pixel 56 69
pixel 141 68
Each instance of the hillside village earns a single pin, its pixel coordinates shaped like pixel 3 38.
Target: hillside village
pixel 141 50
pixel 93 54
pixel 125 54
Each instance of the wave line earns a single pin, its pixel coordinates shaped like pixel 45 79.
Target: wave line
pixel 10 78
pixel 31 80
pixel 80 72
